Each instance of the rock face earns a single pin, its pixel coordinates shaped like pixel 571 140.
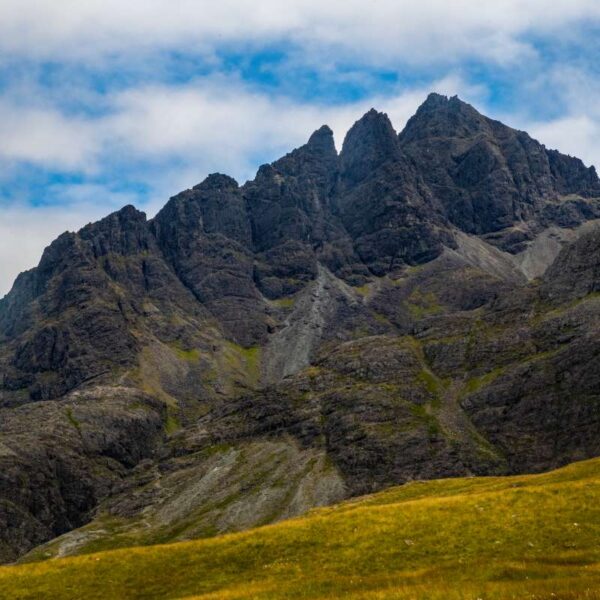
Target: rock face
pixel 341 323
pixel 58 459
pixel 489 177
pixel 576 272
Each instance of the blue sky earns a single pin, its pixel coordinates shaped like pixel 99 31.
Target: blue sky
pixel 104 103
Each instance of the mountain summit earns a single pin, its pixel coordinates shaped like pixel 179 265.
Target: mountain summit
pixel 423 304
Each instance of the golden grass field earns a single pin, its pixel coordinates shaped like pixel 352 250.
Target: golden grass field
pixel 535 536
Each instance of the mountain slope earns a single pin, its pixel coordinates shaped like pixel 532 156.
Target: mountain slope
pixel 515 537
pixel 339 324
pixel 511 390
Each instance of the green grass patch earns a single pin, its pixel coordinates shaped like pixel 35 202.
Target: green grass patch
pixel 362 290
pixel 476 383
pixel 287 302
pixel 548 311
pixel 172 423
pixel 423 416
pixel 381 318
pixel 191 355
pixel 434 385
pixel 423 304
pixel 493 538
pixel 71 418
pixel 244 360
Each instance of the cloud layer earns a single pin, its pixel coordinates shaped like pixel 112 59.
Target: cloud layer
pixel 381 31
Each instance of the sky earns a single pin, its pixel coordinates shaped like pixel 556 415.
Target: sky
pixel 105 103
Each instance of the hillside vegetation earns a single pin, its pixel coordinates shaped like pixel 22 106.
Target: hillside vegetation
pixel 535 536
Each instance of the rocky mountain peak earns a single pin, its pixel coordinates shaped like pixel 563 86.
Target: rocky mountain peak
pixel 122 232
pixel 217 181
pixel 373 130
pixel 130 212
pixel 444 104
pixel 317 156
pixel 122 222
pixel 440 116
pixel 369 143
pixel 321 141
pixel 434 100
pixel 489 176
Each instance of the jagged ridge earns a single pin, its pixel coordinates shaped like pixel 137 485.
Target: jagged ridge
pixel 368 308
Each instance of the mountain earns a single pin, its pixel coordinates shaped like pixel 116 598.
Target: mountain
pixel 533 536
pixel 417 306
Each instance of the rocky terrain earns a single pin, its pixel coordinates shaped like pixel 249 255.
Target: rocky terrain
pixel 419 305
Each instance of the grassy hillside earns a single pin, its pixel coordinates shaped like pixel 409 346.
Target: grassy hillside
pixel 516 537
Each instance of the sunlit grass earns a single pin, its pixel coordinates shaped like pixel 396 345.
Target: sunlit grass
pixel 516 537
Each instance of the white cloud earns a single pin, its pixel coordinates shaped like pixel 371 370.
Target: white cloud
pixel 381 30
pixel 210 124
pixel 45 136
pixel 221 125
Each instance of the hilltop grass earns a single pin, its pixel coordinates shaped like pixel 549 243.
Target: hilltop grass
pixel 534 537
